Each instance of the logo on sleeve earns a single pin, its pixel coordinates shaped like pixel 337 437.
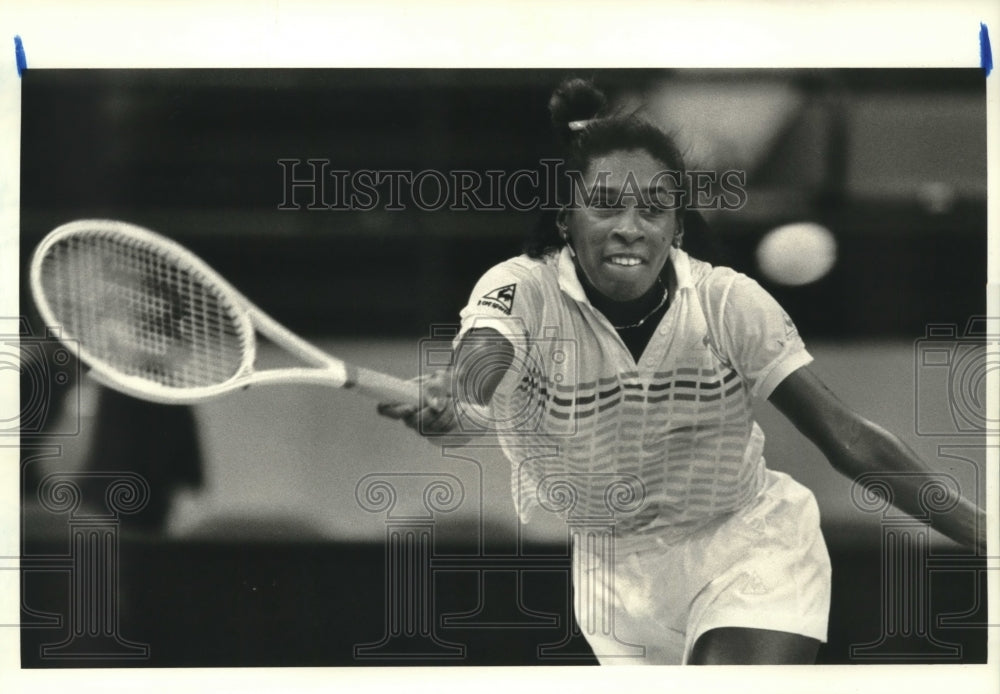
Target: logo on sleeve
pixel 791 331
pixel 502 298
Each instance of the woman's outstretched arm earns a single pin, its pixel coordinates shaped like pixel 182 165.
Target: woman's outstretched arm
pixel 479 363
pixel 855 445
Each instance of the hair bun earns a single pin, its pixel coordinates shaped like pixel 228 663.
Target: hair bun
pixel 575 99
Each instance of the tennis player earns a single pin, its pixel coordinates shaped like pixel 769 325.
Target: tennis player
pixel 718 559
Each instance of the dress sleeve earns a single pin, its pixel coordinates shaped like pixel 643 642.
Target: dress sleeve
pixel 506 300
pixel 759 337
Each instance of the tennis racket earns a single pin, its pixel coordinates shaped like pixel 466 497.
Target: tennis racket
pixel 153 321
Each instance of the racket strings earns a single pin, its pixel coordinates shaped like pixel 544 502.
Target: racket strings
pixel 140 310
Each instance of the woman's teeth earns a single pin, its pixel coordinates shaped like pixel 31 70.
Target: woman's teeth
pixel 624 260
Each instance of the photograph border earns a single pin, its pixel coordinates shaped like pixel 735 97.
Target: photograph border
pixel 634 33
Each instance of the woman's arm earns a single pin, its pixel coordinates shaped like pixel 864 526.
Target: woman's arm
pixel 855 445
pixel 480 361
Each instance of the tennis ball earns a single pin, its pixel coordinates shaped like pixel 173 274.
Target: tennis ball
pixel 797 254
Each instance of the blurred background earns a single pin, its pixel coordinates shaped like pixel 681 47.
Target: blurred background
pixel 864 214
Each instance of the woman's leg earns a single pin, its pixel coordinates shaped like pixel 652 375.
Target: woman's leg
pixel 744 646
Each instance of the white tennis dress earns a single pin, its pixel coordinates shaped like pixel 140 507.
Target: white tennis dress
pixel 657 465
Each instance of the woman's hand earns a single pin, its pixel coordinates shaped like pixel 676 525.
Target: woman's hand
pixel 436 416
pixel 486 355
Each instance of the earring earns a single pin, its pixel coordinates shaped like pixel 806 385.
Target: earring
pixel 564 234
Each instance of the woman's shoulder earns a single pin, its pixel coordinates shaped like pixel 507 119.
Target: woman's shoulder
pixel 516 287
pixel 719 286
pixel 711 279
pixel 524 268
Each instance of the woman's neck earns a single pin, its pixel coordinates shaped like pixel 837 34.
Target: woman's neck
pixel 623 313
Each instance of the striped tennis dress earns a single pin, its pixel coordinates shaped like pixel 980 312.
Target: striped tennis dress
pixel 663 445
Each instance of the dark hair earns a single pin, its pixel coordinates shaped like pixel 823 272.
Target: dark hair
pixel 597 131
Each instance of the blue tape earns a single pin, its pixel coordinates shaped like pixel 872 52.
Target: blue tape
pixel 985 52
pixel 22 62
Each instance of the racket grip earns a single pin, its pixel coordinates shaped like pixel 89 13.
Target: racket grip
pixel 383 387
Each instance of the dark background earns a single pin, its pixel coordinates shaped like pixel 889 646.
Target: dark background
pixel 193 155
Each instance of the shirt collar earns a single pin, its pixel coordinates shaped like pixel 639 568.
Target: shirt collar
pixel 570 283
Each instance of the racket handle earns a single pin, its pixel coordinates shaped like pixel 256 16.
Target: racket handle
pixel 383 387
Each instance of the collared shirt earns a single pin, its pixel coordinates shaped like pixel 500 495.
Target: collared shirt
pixel 664 443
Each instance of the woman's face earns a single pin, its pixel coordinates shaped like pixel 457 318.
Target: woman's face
pixel 621 228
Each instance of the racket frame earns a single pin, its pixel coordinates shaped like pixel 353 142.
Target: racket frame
pixel 326 370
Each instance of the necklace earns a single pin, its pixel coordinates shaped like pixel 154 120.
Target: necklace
pixel 666 295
